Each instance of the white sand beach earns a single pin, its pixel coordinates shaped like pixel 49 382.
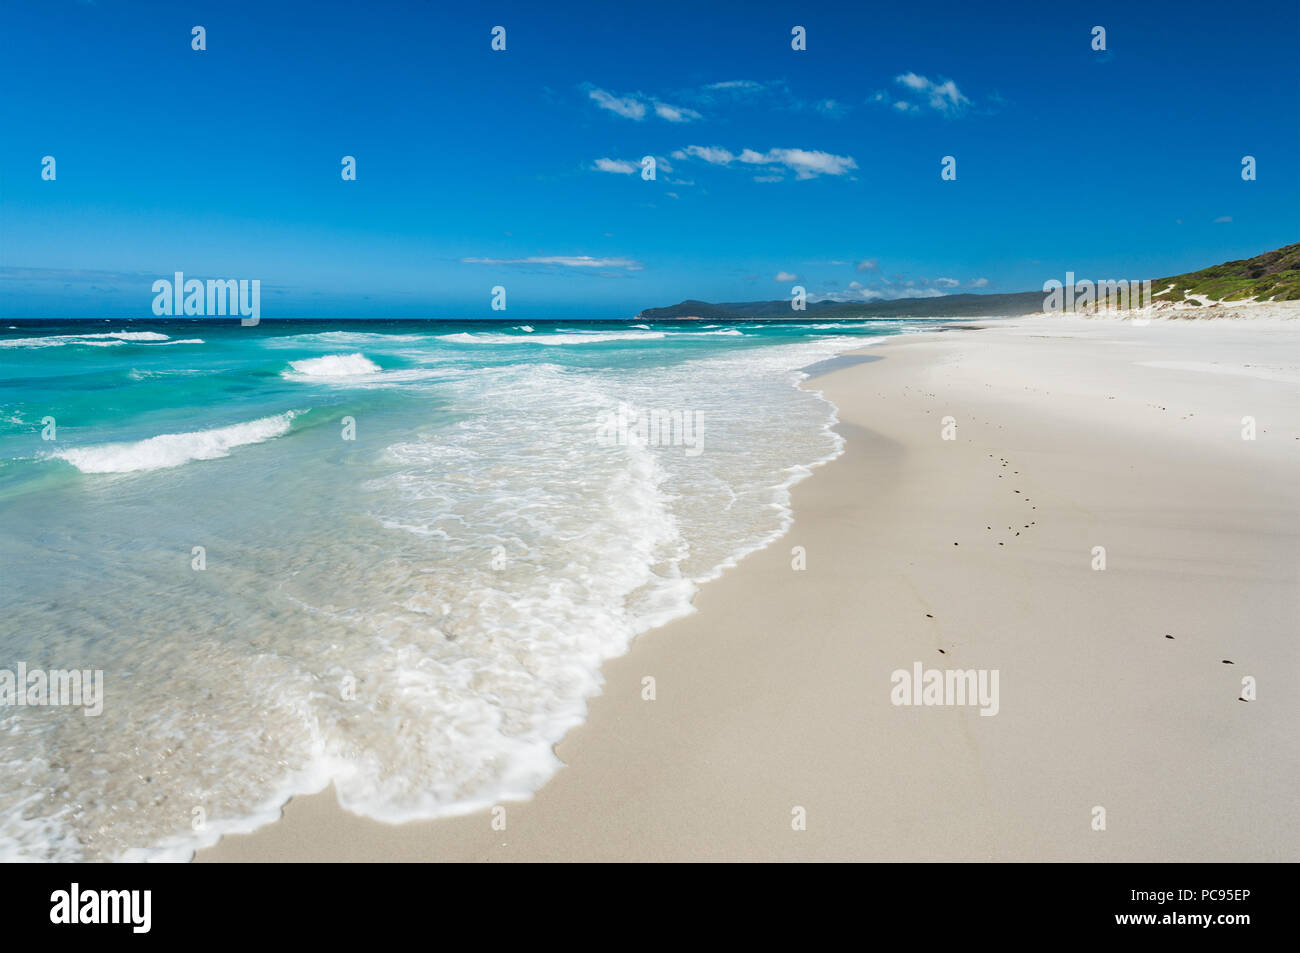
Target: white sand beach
pixel 1119 688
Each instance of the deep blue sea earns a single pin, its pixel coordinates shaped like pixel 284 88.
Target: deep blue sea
pixel 390 555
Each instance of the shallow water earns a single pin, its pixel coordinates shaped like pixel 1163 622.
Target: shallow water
pixel 419 543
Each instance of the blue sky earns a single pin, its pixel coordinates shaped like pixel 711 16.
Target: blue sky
pixel 478 168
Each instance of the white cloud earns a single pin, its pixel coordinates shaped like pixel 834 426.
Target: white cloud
pixel 785 276
pixel 1222 219
pixel 898 287
pixel 807 163
pixel 675 113
pixel 770 95
pixel 566 261
pixel 804 163
pixel 868 264
pixel 627 106
pixel 710 154
pixel 620 166
pixel 942 95
pixel 859 292
pixel 946 97
pixel 636 106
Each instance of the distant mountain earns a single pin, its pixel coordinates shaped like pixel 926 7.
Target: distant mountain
pixel 1274 274
pixel 941 306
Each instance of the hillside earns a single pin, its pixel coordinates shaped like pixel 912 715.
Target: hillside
pixel 1274 274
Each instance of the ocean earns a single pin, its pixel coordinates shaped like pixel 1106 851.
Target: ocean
pixel 387 555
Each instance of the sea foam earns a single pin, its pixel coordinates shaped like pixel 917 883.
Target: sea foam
pixel 598 337
pixel 353 370
pixel 467 565
pixel 335 365
pixel 108 339
pixel 174 449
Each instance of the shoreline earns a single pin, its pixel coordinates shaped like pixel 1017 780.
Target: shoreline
pixel 775 694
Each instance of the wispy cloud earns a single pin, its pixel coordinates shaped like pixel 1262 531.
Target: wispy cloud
pixel 620 166
pixel 768 95
pixel 628 107
pixel 832 108
pixel 685 104
pixel 785 276
pixel 744 93
pixel 71 275
pixel 1223 219
pixel 662 166
pixel 744 84
pixel 943 96
pixel 889 288
pixel 921 92
pixel 804 163
pixel 712 154
pixel 860 292
pixel 637 106
pixel 563 261
pixel 674 113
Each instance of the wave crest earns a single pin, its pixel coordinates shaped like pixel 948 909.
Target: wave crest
pixel 175 449
pixel 335 365
pixel 108 339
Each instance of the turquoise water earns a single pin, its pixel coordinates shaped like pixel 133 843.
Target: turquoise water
pixel 387 555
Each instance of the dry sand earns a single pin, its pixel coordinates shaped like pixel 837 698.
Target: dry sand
pixel 973 553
